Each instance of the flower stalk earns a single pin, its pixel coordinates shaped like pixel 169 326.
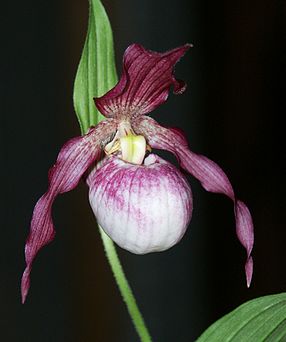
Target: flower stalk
pixel 124 287
pixel 91 81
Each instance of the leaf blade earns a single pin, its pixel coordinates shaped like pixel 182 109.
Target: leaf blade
pixel 96 72
pixel 261 319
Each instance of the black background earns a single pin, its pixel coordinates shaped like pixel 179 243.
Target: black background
pixel 232 112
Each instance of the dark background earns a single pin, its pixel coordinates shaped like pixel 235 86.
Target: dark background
pixel 232 112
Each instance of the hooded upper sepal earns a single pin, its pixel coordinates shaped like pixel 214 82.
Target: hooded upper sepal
pixel 73 160
pixel 211 176
pixel 145 82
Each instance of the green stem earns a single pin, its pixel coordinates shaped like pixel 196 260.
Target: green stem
pixel 124 287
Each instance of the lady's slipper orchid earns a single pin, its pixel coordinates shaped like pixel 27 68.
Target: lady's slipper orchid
pixel 143 203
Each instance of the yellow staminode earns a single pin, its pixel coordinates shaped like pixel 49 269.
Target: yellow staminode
pixel 133 148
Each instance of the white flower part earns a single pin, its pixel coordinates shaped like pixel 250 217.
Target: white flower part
pixel 143 208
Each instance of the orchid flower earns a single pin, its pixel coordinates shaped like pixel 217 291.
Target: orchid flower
pixel 142 202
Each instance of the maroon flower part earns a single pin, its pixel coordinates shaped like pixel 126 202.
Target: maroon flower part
pixel 144 84
pixel 143 204
pixel 73 160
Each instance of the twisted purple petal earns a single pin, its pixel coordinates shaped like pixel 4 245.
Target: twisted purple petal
pixel 211 176
pixel 73 160
pixel 144 84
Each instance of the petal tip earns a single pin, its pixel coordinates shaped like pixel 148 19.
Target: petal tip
pixel 179 87
pixel 25 284
pixel 188 46
pixel 249 271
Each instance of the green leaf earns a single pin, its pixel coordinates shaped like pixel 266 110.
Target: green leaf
pixel 96 72
pixel 261 319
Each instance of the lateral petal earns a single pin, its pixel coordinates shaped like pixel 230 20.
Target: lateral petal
pixel 211 176
pixel 73 160
pixel 145 82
